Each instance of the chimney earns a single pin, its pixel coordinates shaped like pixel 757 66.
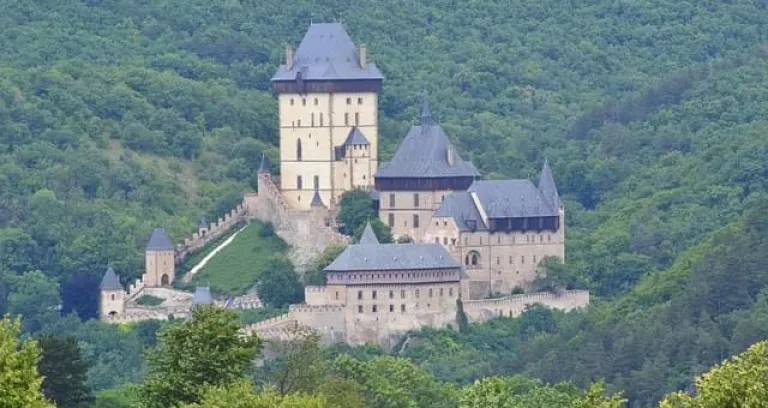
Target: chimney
pixel 288 57
pixel 451 155
pixel 363 56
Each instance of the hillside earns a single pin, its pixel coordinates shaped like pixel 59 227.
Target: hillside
pixel 118 116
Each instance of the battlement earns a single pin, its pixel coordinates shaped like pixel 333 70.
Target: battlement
pixel 135 289
pixel 512 306
pixel 315 308
pixel 315 289
pixel 211 231
pixel 137 314
pixel 281 320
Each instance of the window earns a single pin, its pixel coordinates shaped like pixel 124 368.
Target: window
pixel 373 308
pixel 360 309
pixel 417 293
pixel 298 149
pixel 391 199
pixel 391 308
pixel 510 260
pixel 522 259
pixel 298 123
pixel 402 308
pixel 299 183
pixel 402 294
pixel 416 200
pixel 450 292
pixel 346 119
pixel 441 292
pixel 466 240
pixel 315 101
pixel 498 262
pixel 359 101
pixel 445 240
pixel 321 118
pixel 337 295
pixel 304 101
pixel 437 240
pixel 391 221
pixel 391 294
pixel 498 239
pixel 472 259
pixel 349 101
pixel 112 296
pixel 534 259
pixel 291 101
pixel 415 220
pixel 549 237
pixel 316 182
pixel 312 119
pixel 373 294
pixel 359 295
pixel 541 238
pixel 481 240
pixel 430 292
pixel 357 118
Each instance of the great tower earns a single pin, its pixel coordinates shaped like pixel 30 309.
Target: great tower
pixel 328 112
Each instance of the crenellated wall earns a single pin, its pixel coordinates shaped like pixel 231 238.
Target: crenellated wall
pixel 210 232
pixel 513 306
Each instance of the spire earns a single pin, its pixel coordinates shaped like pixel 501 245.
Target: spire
pixel 264 167
pixel 426 113
pixel 110 281
pixel 368 237
pixel 316 200
pixel 547 186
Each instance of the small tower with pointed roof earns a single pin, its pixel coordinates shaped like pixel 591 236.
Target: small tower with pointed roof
pixel 112 295
pixel 328 117
pixel 159 262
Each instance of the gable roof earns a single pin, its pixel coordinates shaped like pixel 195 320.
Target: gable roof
pixel 356 137
pixel 327 53
pixel 110 281
pixel 202 296
pixel 424 154
pixel 159 241
pixel 381 257
pixel 368 237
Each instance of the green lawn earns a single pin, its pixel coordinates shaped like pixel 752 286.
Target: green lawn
pixel 238 266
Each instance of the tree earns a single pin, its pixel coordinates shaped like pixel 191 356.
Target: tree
pixel 19 380
pixel 316 275
pixel 206 350
pixel 740 382
pixel 35 297
pixel 241 395
pixel 279 286
pixel 356 210
pixel 64 372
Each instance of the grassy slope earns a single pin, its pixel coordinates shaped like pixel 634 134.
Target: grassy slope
pixel 237 267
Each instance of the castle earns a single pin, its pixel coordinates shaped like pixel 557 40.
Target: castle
pixel 471 239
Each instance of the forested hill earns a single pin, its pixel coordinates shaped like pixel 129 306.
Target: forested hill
pixel 117 116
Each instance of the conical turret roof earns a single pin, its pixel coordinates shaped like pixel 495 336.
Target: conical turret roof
pixel 159 241
pixel 547 186
pixel 368 237
pixel 110 281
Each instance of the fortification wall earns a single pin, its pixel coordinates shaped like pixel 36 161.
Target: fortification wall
pixel 512 306
pixel 307 232
pixel 136 314
pixel 135 289
pixel 210 232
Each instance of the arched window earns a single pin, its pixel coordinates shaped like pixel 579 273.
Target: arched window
pixel 299 183
pixel 298 149
pixel 472 260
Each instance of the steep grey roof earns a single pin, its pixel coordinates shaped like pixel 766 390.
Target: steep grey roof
pixel 202 296
pixel 547 186
pixel 424 153
pixel 356 137
pixel 380 257
pixel 511 198
pixel 460 206
pixel 264 166
pixel 110 281
pixel 159 241
pixel 368 237
pixel 327 53
pixel 316 200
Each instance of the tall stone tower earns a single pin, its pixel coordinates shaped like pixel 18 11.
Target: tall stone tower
pixel 159 267
pixel 112 295
pixel 328 101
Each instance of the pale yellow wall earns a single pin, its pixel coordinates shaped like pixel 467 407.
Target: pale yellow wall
pixel 325 295
pixel 157 264
pixel 404 209
pixel 302 121
pixel 112 301
pixel 506 259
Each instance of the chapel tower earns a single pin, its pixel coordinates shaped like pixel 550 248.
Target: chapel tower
pixel 159 262
pixel 328 111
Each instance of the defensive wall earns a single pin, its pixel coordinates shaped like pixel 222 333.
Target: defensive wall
pixel 211 231
pixel 513 306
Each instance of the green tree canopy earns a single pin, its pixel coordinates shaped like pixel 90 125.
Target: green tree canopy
pixel 280 286
pixel 206 350
pixel 356 210
pixel 64 372
pixel 20 383
pixel 35 297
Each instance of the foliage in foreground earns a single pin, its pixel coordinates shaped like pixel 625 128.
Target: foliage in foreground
pixel 64 372
pixel 20 383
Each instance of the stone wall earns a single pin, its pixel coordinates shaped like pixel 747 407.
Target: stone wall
pixel 210 232
pixel 513 306
pixel 308 232
pixel 136 314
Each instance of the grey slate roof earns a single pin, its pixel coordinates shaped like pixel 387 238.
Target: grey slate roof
pixel 547 186
pixel 424 153
pixel 368 237
pixel 110 281
pixel 159 241
pixel 264 166
pixel 327 53
pixel 460 206
pixel 316 200
pixel 202 296
pixel 356 137
pixel 511 198
pixel 382 257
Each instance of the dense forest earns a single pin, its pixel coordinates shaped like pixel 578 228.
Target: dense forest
pixel 117 116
